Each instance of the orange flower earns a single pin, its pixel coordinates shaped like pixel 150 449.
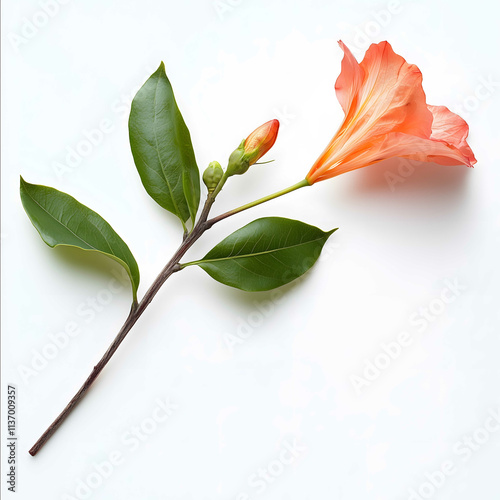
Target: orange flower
pixel 386 116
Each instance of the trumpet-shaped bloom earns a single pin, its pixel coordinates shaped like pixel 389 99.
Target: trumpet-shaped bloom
pixel 386 116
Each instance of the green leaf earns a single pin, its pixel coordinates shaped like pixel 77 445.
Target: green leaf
pixel 62 220
pixel 265 254
pixel 162 149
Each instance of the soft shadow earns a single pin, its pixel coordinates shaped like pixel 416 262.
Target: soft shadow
pixel 411 177
pixel 75 260
pixel 247 300
pixel 422 208
pixel 403 190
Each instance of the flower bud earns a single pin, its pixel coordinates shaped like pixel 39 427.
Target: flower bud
pixel 238 164
pixel 254 147
pixel 212 176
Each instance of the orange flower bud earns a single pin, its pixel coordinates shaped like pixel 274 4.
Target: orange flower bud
pixel 254 147
pixel 261 140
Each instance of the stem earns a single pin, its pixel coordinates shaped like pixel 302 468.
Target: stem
pixel 135 313
pixel 269 197
pixel 138 308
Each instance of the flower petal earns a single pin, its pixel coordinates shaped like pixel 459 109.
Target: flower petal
pixel 349 81
pixel 452 129
pixel 403 146
pixel 443 153
pixel 392 97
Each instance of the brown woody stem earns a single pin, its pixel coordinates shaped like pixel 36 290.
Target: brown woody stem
pixel 135 313
pixel 138 308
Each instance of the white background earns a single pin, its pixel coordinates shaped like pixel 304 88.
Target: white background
pixel 235 64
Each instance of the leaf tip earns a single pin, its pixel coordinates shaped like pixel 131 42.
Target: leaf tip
pixel 329 233
pixel 23 185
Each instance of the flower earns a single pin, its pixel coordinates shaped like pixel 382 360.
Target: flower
pixel 386 116
pixel 253 148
